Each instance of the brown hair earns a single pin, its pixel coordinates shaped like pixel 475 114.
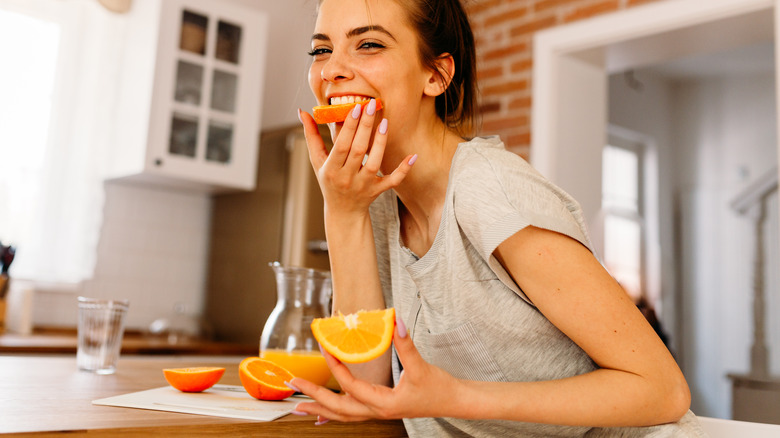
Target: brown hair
pixel 443 27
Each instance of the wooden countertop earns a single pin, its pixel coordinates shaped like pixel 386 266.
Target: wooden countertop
pixel 63 340
pixel 45 394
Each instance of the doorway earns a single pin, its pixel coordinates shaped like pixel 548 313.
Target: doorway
pixel 703 250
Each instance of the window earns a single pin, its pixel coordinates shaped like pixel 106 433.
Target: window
pixel 622 213
pixel 56 92
pixel 26 90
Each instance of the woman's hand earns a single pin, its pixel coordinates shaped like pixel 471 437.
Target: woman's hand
pixel 422 391
pixel 348 183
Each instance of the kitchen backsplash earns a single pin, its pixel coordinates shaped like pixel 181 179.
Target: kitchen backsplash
pixel 153 251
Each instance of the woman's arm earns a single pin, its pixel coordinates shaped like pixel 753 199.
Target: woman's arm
pixel 638 382
pixel 349 186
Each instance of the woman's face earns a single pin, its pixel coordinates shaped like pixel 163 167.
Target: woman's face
pixel 366 48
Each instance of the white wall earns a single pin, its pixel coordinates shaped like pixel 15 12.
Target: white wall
pixel 715 135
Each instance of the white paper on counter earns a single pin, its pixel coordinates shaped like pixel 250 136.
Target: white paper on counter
pixel 229 401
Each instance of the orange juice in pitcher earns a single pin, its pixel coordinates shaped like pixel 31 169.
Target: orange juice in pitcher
pixel 309 365
pixel 302 295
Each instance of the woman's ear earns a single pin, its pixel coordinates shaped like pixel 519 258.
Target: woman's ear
pixel 440 78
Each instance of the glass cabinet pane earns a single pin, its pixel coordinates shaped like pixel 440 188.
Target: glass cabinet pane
pixel 219 143
pixel 189 82
pixel 184 135
pixel 193 32
pixel 228 41
pixel 223 91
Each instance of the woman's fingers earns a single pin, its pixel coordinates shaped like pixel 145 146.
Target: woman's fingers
pixel 344 143
pixel 317 151
pixel 400 172
pixel 377 152
pixel 363 135
pixel 407 353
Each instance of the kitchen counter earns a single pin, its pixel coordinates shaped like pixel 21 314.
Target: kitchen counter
pixel 46 393
pixel 64 341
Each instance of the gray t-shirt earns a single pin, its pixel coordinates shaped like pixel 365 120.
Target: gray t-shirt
pixel 462 309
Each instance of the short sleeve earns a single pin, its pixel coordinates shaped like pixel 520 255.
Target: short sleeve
pixel 497 193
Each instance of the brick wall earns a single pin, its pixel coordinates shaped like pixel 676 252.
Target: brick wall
pixel 504 39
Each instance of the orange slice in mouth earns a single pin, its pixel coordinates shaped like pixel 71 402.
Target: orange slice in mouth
pixel 337 113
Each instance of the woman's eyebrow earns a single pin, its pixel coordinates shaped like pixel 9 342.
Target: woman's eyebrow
pixel 375 27
pixel 355 32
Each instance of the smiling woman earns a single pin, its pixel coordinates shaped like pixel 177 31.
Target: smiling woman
pixel 54 90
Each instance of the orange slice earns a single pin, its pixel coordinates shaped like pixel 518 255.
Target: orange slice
pixel 193 379
pixel 357 337
pixel 337 113
pixel 264 379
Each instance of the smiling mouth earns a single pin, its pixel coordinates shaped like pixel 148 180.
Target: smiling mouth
pixel 341 100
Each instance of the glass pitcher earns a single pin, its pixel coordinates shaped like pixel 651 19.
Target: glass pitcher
pixel 302 295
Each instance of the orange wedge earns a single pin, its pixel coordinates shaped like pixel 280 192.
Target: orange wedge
pixel 264 379
pixel 193 379
pixel 337 113
pixel 357 337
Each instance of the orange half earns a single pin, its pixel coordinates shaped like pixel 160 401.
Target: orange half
pixel 337 113
pixel 193 379
pixel 264 379
pixel 357 337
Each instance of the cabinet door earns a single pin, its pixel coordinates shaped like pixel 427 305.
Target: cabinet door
pixel 206 101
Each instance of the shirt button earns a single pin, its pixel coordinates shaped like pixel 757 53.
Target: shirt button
pixel 418 294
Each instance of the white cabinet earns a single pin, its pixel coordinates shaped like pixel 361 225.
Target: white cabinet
pixel 190 93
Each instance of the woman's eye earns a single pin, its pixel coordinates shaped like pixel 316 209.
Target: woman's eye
pixel 319 52
pixel 371 45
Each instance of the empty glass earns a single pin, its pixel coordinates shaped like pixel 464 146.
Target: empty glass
pixel 101 325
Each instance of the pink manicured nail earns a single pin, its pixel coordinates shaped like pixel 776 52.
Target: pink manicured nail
pixel 321 422
pixel 383 127
pixel 300 119
pixel 299 413
pixel 293 387
pixel 356 111
pixel 413 159
pixel 400 323
pixel 371 107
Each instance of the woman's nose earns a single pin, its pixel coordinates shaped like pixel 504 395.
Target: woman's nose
pixel 336 69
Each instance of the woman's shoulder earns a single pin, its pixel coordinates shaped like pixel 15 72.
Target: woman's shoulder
pixel 485 164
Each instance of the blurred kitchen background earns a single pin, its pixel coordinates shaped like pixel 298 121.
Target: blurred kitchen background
pixel 150 150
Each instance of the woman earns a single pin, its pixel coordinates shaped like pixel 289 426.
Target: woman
pixel 507 323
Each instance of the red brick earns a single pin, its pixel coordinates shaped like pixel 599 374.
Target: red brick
pixel 533 26
pixel 523 139
pixel 474 8
pixel 488 73
pixel 639 2
pixel 503 52
pixel 522 65
pixel 520 103
pixel 520 121
pixel 592 10
pixel 511 15
pixel 506 87
pixel 544 5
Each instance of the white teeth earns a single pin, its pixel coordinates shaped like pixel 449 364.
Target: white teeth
pixel 340 100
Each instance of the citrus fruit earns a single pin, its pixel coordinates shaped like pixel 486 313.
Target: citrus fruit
pixel 337 113
pixel 264 379
pixel 357 337
pixel 193 379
